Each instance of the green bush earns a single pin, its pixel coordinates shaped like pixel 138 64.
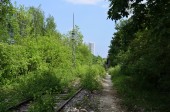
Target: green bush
pixel 13 61
pixel 114 70
pixel 81 70
pixel 134 96
pixel 43 103
pixel 91 78
pixel 30 86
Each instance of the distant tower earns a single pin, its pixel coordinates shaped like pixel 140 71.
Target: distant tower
pixel 92 47
pixel 73 45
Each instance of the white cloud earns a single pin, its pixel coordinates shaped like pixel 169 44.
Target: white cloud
pixel 88 2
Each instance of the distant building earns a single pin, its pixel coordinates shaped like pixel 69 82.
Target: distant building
pixel 91 47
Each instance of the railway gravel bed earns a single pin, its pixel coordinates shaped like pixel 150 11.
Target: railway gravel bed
pixel 85 101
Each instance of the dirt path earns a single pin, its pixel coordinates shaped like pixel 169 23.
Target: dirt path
pixel 108 100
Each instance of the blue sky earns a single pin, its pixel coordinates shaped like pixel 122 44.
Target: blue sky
pixel 90 16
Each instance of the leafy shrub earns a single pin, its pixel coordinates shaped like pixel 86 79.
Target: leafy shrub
pixel 43 103
pixel 30 86
pixel 81 70
pixel 91 79
pixel 114 70
pixel 38 84
pixel 134 96
pixel 13 61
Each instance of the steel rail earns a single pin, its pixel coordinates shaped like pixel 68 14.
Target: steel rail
pixel 66 102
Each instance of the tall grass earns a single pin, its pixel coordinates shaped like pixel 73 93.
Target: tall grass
pixel 136 98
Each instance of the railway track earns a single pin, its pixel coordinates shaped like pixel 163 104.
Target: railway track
pixel 61 100
pixel 21 107
pixel 67 101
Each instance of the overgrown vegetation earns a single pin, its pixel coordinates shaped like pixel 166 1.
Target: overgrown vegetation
pixel 36 59
pixel 43 103
pixel 140 48
pixel 92 76
pixel 136 98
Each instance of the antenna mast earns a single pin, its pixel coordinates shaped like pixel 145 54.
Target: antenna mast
pixel 73 21
pixel 73 45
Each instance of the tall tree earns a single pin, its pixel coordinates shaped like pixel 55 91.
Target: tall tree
pixel 50 27
pixel 23 21
pixel 145 14
pixel 146 37
pixel 37 21
pixel 6 11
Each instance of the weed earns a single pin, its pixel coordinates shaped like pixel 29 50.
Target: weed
pixel 137 98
